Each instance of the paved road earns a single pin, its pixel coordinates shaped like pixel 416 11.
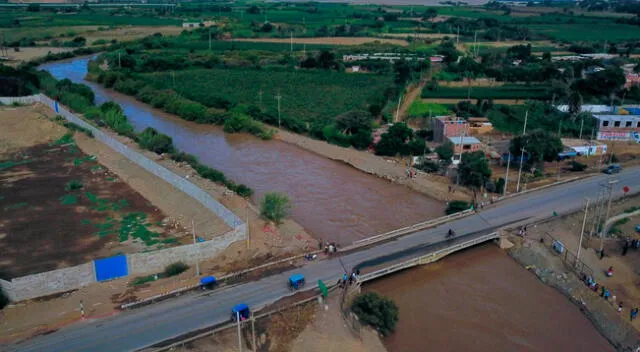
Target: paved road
pixel 151 324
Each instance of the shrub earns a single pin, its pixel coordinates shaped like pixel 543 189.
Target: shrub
pixel 500 185
pixel 118 122
pixel 175 269
pixel 379 312
pixel 4 299
pixel 428 166
pixel 275 207
pixel 156 142
pixel 182 156
pixel 73 185
pixel 456 206
pixel 577 166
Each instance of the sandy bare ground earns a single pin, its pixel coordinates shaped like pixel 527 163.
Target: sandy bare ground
pixel 130 33
pixel 431 185
pixel 327 40
pixel 30 53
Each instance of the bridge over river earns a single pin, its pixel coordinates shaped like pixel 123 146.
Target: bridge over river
pixel 146 326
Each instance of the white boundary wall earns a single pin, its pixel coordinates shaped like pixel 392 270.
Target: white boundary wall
pixel 61 280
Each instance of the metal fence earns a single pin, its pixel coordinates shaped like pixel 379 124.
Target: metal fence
pixel 180 183
pixel 568 257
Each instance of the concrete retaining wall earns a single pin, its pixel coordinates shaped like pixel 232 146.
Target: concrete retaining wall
pixel 61 280
pixel 20 100
pixel 50 282
pixel 153 262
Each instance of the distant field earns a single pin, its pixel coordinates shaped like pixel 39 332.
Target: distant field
pixel 611 32
pixel 223 45
pixel 507 91
pixel 326 40
pixel 306 95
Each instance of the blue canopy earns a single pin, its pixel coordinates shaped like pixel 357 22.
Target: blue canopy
pixel 296 278
pixel 239 308
pixel 207 280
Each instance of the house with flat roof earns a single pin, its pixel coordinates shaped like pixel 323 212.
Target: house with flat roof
pixel 618 127
pixel 449 126
pixel 463 144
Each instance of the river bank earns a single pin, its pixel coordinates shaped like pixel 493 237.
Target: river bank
pixel 551 271
pixel 433 186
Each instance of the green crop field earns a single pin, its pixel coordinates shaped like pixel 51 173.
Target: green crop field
pixel 221 45
pixel 508 91
pixel 422 108
pixel 306 95
pixel 611 32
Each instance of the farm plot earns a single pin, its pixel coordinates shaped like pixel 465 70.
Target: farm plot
pixel 507 91
pixel 58 206
pixel 305 95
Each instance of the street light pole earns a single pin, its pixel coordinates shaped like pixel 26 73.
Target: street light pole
pixel 239 336
pixel 520 169
pixel 506 176
pixel 584 222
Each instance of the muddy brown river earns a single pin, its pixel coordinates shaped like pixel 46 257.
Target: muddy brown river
pixel 482 300
pixel 331 200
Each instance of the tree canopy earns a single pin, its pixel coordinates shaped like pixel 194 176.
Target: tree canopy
pixel 379 312
pixel 354 121
pixel 539 145
pixel 474 169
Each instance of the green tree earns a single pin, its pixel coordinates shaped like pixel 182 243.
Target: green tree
pixel 402 71
pixel 351 122
pixel 445 151
pixel 456 206
pixel 575 103
pixel 474 169
pixel 275 207
pixel 394 141
pixel 379 312
pixel 156 142
pixel 539 146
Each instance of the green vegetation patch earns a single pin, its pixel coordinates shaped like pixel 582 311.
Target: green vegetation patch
pixel 11 163
pixel 507 91
pixel 135 225
pixel 306 95
pixel 69 199
pixel 420 108
pixel 16 206
pixel 80 161
pixel 66 139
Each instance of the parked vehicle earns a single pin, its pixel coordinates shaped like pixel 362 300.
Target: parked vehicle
pixel 296 281
pixel 208 282
pixel 612 169
pixel 240 312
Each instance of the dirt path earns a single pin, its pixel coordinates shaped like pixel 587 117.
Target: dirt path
pixel 431 185
pixel 413 93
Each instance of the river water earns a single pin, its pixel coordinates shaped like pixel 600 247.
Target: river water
pixel 331 200
pixel 482 300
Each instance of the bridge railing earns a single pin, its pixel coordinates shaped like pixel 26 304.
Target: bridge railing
pixel 409 229
pixel 427 258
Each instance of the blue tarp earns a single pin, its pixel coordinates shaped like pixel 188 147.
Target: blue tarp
pixel 111 268
pixel 633 111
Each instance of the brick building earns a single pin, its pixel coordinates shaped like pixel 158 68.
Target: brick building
pixel 448 126
pixel 618 127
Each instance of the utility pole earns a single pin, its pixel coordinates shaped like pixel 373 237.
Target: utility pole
pixel 506 176
pixel 278 97
pixel 584 222
pixel 209 38
pixel 520 169
pixel 459 159
pixel 524 130
pixel 458 37
pixel 119 64
pixel 398 109
pixel 610 184
pixel 239 336
pixel 581 126
pixel 193 228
